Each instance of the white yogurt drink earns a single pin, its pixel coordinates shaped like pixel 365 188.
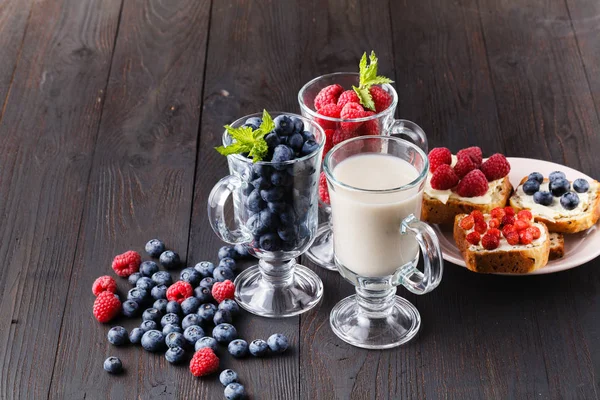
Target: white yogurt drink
pixel 366 224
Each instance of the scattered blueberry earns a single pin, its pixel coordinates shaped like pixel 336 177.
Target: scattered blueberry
pixel 162 278
pixel 234 391
pixel 151 314
pixel 130 308
pixel 148 325
pixel 206 312
pixel 556 174
pixel 169 328
pixel 226 252
pixel 205 341
pixel 278 343
pixel 135 336
pixel 153 341
pixel 174 307
pixel 207 282
pixel 133 278
pixel 203 294
pixel 175 355
pixel 228 376
pixel 228 262
pixel 170 319
pixel 159 292
pixel 222 317
pixel 193 333
pixel 113 365
pixel 229 305
pixel 581 185
pixel 190 305
pixel 145 283
pixel 283 125
pixel 238 348
pixel 224 333
pixel 258 348
pixel 161 305
pixel 559 186
pixel 543 198
pixel 148 268
pixel 536 176
pixel 175 339
pixel 222 274
pixel 531 186
pixel 191 276
pixel 138 295
pixel 569 200
pixel 190 320
pixel 154 248
pixel 169 259
pixel 205 268
pixel 118 336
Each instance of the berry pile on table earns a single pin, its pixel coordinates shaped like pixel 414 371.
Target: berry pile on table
pixel 192 315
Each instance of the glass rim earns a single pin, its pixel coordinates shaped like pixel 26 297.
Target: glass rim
pixel 272 113
pixel 422 174
pixel 314 114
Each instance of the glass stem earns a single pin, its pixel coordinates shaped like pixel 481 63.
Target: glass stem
pixel 375 303
pixel 277 274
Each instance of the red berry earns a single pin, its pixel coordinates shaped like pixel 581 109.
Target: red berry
pixel 349 96
pixel 328 110
pixel 341 135
pixel 473 184
pixel 508 219
pixel 477 215
pixel 328 95
pixel 223 290
pixel 370 127
pixel 106 306
pixel 525 236
pixel 509 210
pixel 464 165
pixel 473 152
pixel 474 238
pixel 104 284
pixel 323 190
pixel 525 215
pixel 351 111
pixel 328 141
pixel 494 223
pixel 512 238
pixel 494 231
pixel 467 222
pixel 498 212
pixel 480 226
pixel 520 225
pixel 439 156
pixel 127 263
pixel 489 241
pixel 204 362
pixel 535 232
pixel 381 98
pixel 179 291
pixel 508 229
pixel 495 167
pixel 444 178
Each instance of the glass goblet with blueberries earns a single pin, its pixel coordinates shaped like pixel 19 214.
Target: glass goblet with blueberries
pixel 274 164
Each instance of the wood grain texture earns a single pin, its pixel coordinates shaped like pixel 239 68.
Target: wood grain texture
pixel 48 133
pixel 140 187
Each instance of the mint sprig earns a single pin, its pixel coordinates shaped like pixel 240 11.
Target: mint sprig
pixel 248 141
pixel 368 78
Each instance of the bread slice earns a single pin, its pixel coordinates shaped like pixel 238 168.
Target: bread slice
pixel 519 259
pixel 435 211
pixel 557 246
pixel 584 219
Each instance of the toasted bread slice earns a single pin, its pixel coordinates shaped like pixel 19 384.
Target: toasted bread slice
pixel 557 246
pixel 518 259
pixel 435 211
pixel 584 217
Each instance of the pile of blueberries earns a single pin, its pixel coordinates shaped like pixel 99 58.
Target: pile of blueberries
pixel 277 196
pixel 180 329
pixel 558 186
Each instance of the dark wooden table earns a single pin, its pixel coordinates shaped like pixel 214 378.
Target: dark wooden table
pixel 109 114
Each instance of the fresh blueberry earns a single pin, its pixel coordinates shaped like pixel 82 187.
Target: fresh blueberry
pixel 148 268
pixel 193 333
pixel 228 262
pixel 272 140
pixel 228 376
pixel 161 305
pixel 301 205
pixel 569 200
pixel 190 305
pixel 222 274
pixel 118 336
pixel 170 319
pixel 205 268
pixel 174 307
pixel 229 305
pixel 282 153
pixel 207 282
pixel 288 217
pixel 308 136
pixel 255 202
pixel 145 283
pixel 258 348
pixel 280 178
pixel 169 259
pixel 203 294
pixel 270 242
pixel 130 308
pixel 224 333
pixel 278 343
pixel 556 175
pixel 559 186
pixel 309 147
pixel 155 247
pixel 247 188
pixel 256 121
pixel 298 124
pixel 222 317
pixel 255 226
pixel 153 341
pixel 151 314
pixel 226 252
pixel 278 207
pixel 206 312
pixel 268 220
pixel 261 183
pixel 175 355
pixel 169 328
pixel 191 276
pixel 283 125
pixel 581 185
pixel 296 142
pixel 138 295
pixel 234 391
pixel 303 231
pixel 241 251
pixel 251 126
pixel 133 278
pixel 536 176
pixel 190 320
pixel 175 339
pixel 273 194
pixel 159 292
pixel 162 278
pixel 113 365
pixel 288 233
pixel 148 325
pixel 135 336
pixel 238 348
pixel 531 186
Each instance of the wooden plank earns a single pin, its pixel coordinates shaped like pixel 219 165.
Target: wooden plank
pixel 48 133
pixel 140 187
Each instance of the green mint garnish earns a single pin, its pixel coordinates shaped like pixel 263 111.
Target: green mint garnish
pixel 248 141
pixel 368 78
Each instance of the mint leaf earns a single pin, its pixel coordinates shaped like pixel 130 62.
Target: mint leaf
pixel 368 78
pixel 365 97
pixel 248 141
pixel 233 148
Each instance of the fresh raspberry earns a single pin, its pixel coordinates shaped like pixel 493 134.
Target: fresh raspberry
pixel 508 229
pixel 341 135
pixel 223 290
pixel 490 241
pixel 444 178
pixel 464 165
pixel 508 219
pixel 477 215
pixel 328 141
pixel 521 225
pixel 467 222
pixel 127 263
pixel 494 231
pixel 328 110
pixel 381 98
pixel 473 184
pixel 474 238
pixel 509 210
pixel 480 226
pixel 328 95
pixel 512 238
pixel 473 152
pixel 323 190
pixel 495 167
pixel 498 212
pixel 179 291
pixel 494 223
pixel 104 284
pixel 525 236
pixel 349 96
pixel 204 362
pixel 525 215
pixel 106 306
pixel 535 232
pixel 370 127
pixel 439 156
pixel 351 111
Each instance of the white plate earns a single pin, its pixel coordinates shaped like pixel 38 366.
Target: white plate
pixel 579 247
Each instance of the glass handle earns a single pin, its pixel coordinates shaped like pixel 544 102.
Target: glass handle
pixel 415 280
pixel 216 210
pixel 404 127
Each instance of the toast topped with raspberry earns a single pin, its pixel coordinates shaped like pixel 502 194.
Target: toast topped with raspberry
pixel 502 242
pixel 462 183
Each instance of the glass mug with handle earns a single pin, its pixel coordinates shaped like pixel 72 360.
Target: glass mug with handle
pixel 382 123
pixel 376 187
pixel 276 217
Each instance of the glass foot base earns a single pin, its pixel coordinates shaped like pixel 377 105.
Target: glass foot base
pixel 258 296
pixel 321 251
pixel 396 327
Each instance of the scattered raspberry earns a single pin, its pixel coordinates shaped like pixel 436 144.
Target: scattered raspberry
pixel 474 238
pixel 498 212
pixel 495 167
pixel 480 226
pixel 329 110
pixel 351 111
pixel 508 219
pixel 127 263
pixel 369 128
pixel 473 152
pixel 494 223
pixel 341 135
pixel 223 290
pixel 512 238
pixel 508 229
pixel 439 156
pixel 535 232
pixel 490 241
pixel 328 141
pixel 525 236
pixel 464 165
pixel 204 362
pixel 494 231
pixel 520 225
pixel 104 284
pixel 467 222
pixel 477 215
pixel 106 306
pixel 473 184
pixel 349 96
pixel 444 178
pixel 381 98
pixel 179 291
pixel 509 210
pixel 525 215
pixel 323 190
pixel 328 95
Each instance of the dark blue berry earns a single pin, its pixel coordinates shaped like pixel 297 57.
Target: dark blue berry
pixel 238 348
pixel 303 231
pixel 282 153
pixel 151 314
pixel 118 336
pixel 281 178
pixel 153 341
pixel 190 320
pixel 296 142
pixel 298 124
pixel 255 226
pixel 309 147
pixel 260 183
pixel 556 175
pixel 148 268
pixel 170 319
pixel 559 186
pixel 191 276
pixel 256 121
pixel 301 205
pixel 175 355
pixel 278 207
pixel 208 282
pixel 229 263
pixel 162 278
pixel 175 339
pixel 288 233
pixel 581 185
pixel 206 341
pixel 288 217
pixel 169 259
pixel 138 295
pixel 206 313
pixel 193 333
pixel 221 274
pixel 531 186
pixel 228 376
pixel 133 278
pixel 241 250
pixel 190 305
pixel 273 194
pixel 113 365
pixel 283 125
pixel 161 305
pixel 308 136
pixel 159 292
pixel 171 328
pixel 174 307
pixel 130 308
pixel 272 140
pixel 229 305
pixel 251 126
pixel 536 176
pixel 155 247
pixel 135 336
pixel 255 202
pixel 278 343
pixel 205 268
pixel 226 252
pixel 145 283
pixel 569 200
pixel 247 188
pixel 234 391
pixel 203 294
pixel 222 317
pixel 270 242
pixel 258 348
pixel 148 325
pixel 224 333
